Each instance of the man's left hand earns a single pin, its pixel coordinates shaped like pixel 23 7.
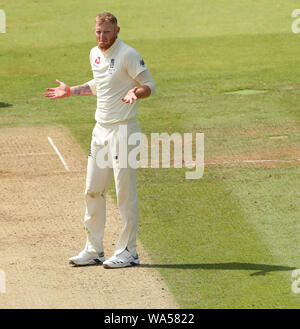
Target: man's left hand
pixel 131 96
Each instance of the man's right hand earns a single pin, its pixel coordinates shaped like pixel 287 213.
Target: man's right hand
pixel 59 92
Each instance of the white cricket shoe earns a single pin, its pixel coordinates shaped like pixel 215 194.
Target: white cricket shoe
pixel 86 258
pixel 124 259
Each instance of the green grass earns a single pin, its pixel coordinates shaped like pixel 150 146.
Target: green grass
pixel 230 239
pixel 225 238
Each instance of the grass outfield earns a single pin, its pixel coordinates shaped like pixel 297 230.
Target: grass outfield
pixel 230 239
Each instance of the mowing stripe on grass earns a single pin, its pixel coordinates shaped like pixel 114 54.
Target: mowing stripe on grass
pixel 205 244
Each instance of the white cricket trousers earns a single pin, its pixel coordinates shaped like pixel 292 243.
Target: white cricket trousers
pixel 107 138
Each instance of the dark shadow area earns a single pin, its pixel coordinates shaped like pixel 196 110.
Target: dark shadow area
pixel 2 104
pixel 259 269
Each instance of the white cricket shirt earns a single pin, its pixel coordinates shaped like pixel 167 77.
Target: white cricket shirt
pixel 114 72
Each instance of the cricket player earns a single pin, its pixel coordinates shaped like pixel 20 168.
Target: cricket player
pixel 121 78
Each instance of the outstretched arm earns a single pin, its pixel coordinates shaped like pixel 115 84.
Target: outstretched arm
pixel 63 91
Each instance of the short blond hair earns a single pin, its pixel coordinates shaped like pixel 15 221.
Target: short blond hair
pixel 106 17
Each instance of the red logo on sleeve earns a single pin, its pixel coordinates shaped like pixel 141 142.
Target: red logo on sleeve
pixel 97 60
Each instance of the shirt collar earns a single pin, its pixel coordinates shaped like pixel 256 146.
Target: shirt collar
pixel 111 49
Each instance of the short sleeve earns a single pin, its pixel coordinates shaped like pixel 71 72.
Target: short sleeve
pixel 134 63
pixel 145 78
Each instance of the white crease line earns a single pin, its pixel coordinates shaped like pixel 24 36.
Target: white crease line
pixel 253 161
pixel 58 153
pixel 27 154
pixel 249 161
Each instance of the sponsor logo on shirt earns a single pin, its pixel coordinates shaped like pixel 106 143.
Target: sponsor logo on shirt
pixel 97 60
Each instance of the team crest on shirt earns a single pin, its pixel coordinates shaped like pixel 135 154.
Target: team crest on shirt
pixel 112 63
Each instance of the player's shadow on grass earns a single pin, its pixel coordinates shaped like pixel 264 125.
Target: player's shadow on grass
pixel 2 104
pixel 259 269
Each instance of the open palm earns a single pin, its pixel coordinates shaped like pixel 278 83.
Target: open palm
pixel 59 92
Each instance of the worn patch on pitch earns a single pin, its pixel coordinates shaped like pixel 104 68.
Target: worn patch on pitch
pixel 279 137
pixel 245 92
pixel 41 209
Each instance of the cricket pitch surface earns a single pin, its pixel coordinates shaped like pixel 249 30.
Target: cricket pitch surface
pixel 41 210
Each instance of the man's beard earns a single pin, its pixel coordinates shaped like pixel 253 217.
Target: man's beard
pixel 111 42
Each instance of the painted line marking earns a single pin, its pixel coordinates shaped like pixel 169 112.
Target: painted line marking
pixel 58 153
pixel 245 92
pixel 206 163
pixel 248 161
